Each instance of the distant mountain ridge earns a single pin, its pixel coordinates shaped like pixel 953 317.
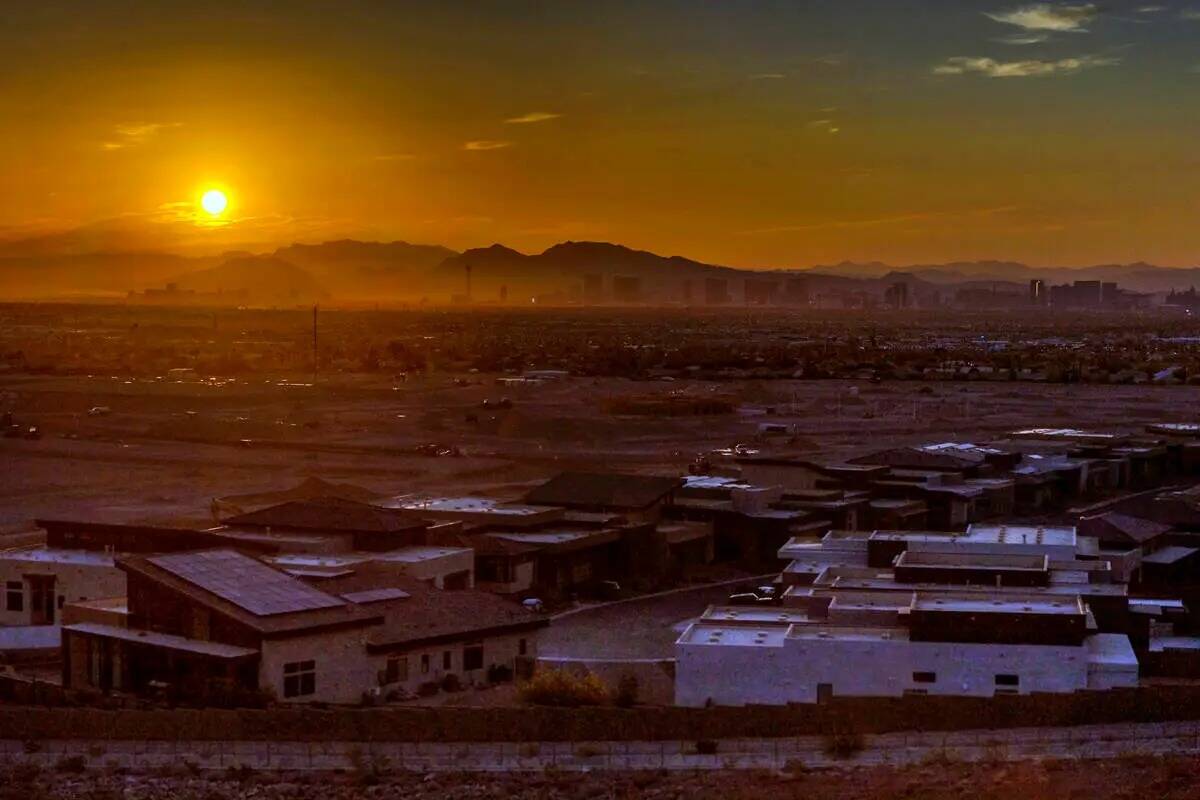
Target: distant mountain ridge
pixel 352 270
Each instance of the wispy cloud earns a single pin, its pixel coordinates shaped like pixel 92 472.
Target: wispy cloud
pixel 1024 38
pixel 394 157
pixel 1047 17
pixel 485 144
pixel 531 117
pixel 767 76
pixel 1027 68
pixel 1150 9
pixel 133 134
pixel 1190 14
pixel 826 125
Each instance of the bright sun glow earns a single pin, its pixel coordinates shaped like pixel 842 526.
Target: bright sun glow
pixel 214 202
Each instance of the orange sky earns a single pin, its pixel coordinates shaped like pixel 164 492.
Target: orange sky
pixel 737 132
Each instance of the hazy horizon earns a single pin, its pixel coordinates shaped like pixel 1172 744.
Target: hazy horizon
pixel 749 134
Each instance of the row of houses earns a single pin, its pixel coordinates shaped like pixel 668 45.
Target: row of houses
pixel 997 609
pixel 322 598
pixel 329 593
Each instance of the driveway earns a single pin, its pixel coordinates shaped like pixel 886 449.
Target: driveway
pixel 644 628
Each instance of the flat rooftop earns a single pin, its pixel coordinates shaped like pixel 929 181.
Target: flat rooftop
pixel 914 536
pixel 703 633
pixel 1055 535
pixel 1111 650
pixel 163 640
pixel 1001 561
pixel 417 553
pixel 847 633
pixel 555 537
pixel 1169 555
pixel 1029 604
pixel 58 555
pixel 468 505
pixel 776 615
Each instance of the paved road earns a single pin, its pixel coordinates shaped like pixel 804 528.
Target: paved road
pixel 644 628
pixel 1022 744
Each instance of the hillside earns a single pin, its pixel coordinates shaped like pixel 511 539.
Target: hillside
pixel 256 279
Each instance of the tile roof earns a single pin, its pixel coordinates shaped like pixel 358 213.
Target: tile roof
pixel 605 490
pixel 330 514
pixel 430 614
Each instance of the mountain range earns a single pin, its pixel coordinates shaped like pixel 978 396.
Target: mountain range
pixel 355 271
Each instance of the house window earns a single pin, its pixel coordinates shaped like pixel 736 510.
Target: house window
pixel 446 660
pixel 397 669
pixel 472 657
pixel 299 678
pixel 522 647
pixel 924 677
pixel 425 664
pixel 1008 680
pixel 14 596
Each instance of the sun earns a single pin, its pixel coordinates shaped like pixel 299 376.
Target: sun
pixel 214 202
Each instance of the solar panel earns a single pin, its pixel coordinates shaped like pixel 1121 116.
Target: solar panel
pixel 246 583
pixel 375 595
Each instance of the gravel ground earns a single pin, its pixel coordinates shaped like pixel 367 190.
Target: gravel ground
pixel 1132 778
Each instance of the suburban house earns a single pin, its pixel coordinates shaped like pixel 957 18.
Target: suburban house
pixel 218 622
pixel 638 498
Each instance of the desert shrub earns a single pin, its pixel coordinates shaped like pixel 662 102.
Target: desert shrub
pixel 626 695
pixel 559 687
pixel 71 764
pixel 499 673
pixel 844 743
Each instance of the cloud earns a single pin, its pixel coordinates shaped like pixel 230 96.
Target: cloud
pixel 767 76
pixel 531 117
pixel 1024 38
pixel 1047 17
pixel 1150 9
pixel 827 125
pixel 485 144
pixel 1027 68
pixel 1190 14
pixel 133 134
pixel 394 157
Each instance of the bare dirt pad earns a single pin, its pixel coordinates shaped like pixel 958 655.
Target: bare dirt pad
pixel 1132 777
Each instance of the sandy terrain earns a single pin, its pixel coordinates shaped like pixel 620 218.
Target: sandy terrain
pixel 1130 778
pixel 165 449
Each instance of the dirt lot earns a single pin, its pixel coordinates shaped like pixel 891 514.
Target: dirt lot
pixel 164 449
pixel 1131 778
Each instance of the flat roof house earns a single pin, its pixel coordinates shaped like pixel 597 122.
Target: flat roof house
pixel 935 643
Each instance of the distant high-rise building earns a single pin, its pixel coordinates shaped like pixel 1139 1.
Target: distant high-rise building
pixel 627 289
pixel 760 291
pixel 716 291
pixel 795 292
pixel 1037 292
pixel 896 295
pixel 593 288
